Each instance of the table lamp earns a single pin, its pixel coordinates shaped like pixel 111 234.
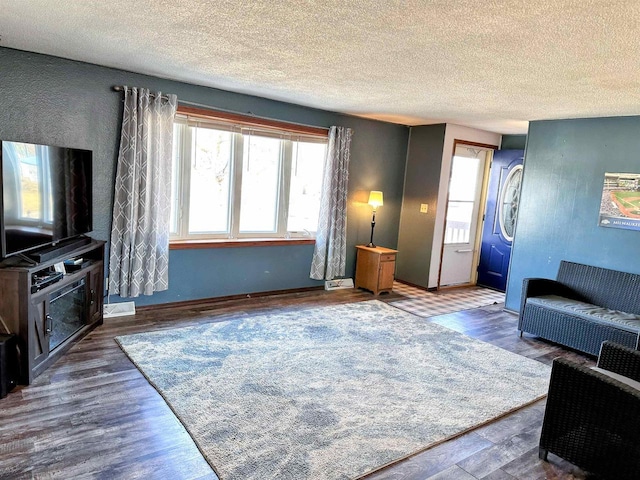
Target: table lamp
pixel 375 200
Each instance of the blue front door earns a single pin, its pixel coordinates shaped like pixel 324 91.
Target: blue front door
pixel 503 197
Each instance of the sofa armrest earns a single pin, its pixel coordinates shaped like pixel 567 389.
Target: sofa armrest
pixel 534 287
pixel 619 359
pixel 577 392
pixel 592 420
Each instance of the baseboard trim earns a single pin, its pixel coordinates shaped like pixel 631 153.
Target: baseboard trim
pixel 213 300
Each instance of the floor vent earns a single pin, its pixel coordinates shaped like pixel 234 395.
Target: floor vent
pixel 338 284
pixel 119 309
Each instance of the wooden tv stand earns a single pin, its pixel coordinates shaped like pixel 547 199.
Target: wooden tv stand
pixel 40 315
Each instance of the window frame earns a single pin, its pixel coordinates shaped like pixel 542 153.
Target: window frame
pixel 239 126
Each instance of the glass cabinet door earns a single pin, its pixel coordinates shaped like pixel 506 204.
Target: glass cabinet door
pixel 67 308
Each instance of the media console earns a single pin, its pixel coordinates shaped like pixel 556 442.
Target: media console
pixel 50 311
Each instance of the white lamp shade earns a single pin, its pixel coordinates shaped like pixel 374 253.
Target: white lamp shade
pixel 375 199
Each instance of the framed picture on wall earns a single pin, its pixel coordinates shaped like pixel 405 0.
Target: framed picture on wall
pixel 620 204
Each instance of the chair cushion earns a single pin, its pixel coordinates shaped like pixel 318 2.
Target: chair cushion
pixel 587 311
pixel 620 378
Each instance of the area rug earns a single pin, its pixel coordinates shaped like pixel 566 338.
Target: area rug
pixel 328 393
pixel 429 304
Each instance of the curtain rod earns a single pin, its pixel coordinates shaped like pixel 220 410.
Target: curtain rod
pixel 120 88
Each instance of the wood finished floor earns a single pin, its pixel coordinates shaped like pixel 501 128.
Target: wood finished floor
pixel 93 415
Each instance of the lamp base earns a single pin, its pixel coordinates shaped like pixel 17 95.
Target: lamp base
pixel 373 225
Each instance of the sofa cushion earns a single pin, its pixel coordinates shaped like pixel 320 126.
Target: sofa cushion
pixel 587 311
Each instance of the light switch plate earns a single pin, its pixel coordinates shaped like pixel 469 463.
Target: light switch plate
pixel 424 208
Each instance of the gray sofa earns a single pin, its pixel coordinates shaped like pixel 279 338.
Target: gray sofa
pixel 583 307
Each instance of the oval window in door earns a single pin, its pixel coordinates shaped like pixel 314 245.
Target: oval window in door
pixel 509 201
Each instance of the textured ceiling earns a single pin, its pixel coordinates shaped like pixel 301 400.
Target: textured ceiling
pixel 487 64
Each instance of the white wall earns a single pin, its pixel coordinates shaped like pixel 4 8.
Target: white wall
pixel 452 133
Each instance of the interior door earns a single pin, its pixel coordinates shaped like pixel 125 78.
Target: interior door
pixel 503 198
pixel 463 207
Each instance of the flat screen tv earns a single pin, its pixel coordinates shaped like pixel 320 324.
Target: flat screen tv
pixel 46 196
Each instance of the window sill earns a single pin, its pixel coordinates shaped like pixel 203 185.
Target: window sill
pixel 238 243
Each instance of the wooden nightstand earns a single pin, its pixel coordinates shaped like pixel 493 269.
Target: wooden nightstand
pixel 375 268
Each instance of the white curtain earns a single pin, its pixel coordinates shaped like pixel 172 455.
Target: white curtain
pixel 139 255
pixel 329 256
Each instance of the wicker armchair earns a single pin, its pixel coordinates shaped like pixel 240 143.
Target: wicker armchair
pixel 593 420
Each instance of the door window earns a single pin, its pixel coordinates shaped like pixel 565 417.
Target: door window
pixel 509 202
pixel 463 187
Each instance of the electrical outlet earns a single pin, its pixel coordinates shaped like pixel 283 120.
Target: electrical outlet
pixel 338 284
pixel 424 208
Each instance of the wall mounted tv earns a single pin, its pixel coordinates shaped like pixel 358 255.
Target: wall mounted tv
pixel 46 196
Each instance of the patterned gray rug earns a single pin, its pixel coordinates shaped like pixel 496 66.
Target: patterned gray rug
pixel 328 393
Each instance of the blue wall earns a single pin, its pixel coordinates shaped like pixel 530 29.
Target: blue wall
pixel 50 100
pixel 562 184
pixel 219 272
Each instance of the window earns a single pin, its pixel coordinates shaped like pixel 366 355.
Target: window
pixel 232 180
pixel 463 186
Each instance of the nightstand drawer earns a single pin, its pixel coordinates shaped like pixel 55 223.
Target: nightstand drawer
pixel 389 257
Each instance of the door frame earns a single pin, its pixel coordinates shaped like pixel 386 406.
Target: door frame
pixel 481 210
